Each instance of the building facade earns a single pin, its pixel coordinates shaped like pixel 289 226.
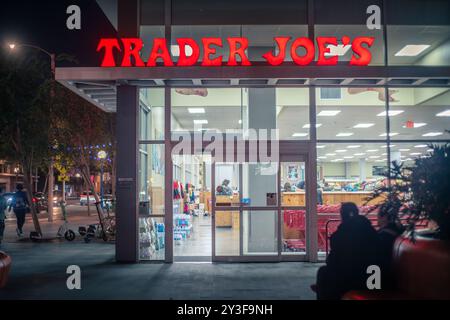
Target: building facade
pixel 338 90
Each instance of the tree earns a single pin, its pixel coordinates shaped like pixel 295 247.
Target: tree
pixel 24 120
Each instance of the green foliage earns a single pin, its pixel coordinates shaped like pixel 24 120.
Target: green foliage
pixel 420 192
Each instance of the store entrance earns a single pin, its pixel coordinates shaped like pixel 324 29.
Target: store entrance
pixel 259 210
pixel 192 236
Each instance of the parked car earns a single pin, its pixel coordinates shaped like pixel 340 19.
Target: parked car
pixel 84 199
pixel 40 201
pixel 9 197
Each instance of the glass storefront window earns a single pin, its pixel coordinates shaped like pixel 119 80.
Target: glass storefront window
pixel 292 113
pixel 260 232
pixel 420 113
pixel 350 113
pixel 151 114
pixel 346 172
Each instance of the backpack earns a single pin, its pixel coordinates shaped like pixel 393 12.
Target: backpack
pixel 20 203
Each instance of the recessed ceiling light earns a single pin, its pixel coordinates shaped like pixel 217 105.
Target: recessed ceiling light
pixel 391 134
pixel 330 154
pixel 348 157
pixel 445 113
pixel 307 126
pixel 390 146
pixel 322 157
pixel 344 134
pixel 372 150
pixel 320 146
pixel 240 121
pixel 300 134
pixel 391 113
pixel 359 154
pixel 420 146
pixel 328 113
pixel 415 153
pixel 412 50
pixel 374 157
pixel 336 160
pixel 363 125
pixel 432 134
pixel 416 125
pixel 196 110
pixel 384 154
pixel 338 50
pixel 200 121
pixel 340 150
pixel 404 150
pixel 354 146
pixel 430 150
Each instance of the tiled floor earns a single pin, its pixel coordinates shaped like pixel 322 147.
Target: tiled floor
pixel 200 242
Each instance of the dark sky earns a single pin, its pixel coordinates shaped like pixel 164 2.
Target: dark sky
pixel 43 23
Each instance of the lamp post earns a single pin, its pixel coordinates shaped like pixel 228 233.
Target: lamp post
pixel 16 172
pixel 52 56
pixel 102 156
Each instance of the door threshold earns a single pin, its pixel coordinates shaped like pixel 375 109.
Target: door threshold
pixel 203 259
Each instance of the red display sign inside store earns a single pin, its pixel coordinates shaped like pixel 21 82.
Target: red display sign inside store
pixel 130 51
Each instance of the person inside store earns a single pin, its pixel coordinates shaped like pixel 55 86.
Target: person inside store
pixel 224 189
pixel 389 230
pixel 301 185
pixel 353 248
pixel 287 187
pixel 21 207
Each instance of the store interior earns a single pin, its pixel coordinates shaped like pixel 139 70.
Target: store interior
pixel 348 168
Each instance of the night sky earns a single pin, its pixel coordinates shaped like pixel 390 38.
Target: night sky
pixel 43 23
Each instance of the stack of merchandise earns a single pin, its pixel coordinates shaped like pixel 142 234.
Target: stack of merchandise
pixel 151 238
pixel 182 227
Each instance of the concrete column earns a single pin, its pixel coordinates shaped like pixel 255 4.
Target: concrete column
pixel 262 226
pixel 127 174
pixel 362 169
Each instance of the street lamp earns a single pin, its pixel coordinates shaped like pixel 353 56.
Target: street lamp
pixel 102 156
pixel 13 46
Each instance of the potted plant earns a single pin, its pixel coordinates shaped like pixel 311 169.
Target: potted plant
pixel 420 193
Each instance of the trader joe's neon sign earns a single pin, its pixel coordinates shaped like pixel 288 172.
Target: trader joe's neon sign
pixel 189 52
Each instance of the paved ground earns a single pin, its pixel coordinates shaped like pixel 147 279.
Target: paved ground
pixel 39 272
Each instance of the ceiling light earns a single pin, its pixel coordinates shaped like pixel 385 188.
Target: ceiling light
pixel 240 121
pixel 374 157
pixel 412 50
pixel 416 125
pixel 391 113
pixel 363 125
pixel 415 153
pixel 372 150
pixel 338 50
pixel 445 113
pixel 340 150
pixel 354 146
pixel 321 157
pixel 307 126
pixel 200 121
pixel 391 134
pixel 328 113
pixel 404 150
pixel 330 154
pixel 300 134
pixel 344 134
pixel 421 146
pixel 430 150
pixel 320 146
pixel 336 160
pixel 384 154
pixel 196 110
pixel 348 157
pixel 359 154
pixel 432 134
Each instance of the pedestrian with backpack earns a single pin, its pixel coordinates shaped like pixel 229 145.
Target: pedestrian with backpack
pixel 21 207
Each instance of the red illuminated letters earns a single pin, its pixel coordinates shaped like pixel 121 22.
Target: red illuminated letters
pixel 183 59
pixel 236 46
pixel 279 59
